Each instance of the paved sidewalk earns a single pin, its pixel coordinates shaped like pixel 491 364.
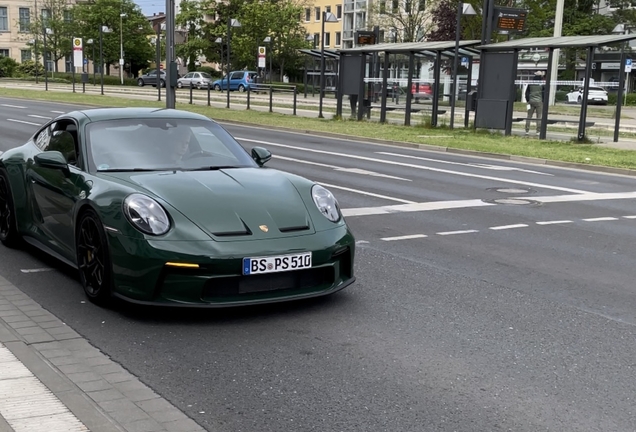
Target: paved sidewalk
pixel 53 380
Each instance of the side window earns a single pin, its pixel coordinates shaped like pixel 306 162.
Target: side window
pixel 64 139
pixel 188 75
pixel 237 76
pixel 42 139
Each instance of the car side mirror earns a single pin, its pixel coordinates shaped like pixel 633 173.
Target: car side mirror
pixel 261 155
pixel 51 159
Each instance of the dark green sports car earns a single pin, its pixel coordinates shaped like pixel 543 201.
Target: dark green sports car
pixel 165 207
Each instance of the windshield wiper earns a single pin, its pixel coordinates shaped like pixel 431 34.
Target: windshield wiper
pixel 215 168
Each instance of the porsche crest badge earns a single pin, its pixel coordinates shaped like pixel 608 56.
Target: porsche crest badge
pixel 263 228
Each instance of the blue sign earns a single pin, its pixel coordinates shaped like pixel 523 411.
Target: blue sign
pixel 628 65
pixel 464 60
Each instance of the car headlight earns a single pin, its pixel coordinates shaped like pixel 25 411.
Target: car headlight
pixel 326 203
pixel 146 214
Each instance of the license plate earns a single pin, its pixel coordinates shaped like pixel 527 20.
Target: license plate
pixel 273 264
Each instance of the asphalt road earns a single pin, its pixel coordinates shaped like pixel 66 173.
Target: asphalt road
pixel 468 314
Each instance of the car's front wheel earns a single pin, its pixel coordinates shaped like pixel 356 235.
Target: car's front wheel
pixel 93 258
pixel 217 87
pixel 179 85
pixel 9 235
pixel 140 82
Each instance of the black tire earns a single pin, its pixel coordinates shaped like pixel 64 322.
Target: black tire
pixel 140 82
pixel 162 83
pixel 241 88
pixel 179 85
pixel 9 235
pixel 217 87
pixel 93 258
pixel 579 99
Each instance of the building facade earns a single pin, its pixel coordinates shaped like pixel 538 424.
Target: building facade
pixel 312 21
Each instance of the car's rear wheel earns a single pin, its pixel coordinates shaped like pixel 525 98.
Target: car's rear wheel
pixel 93 258
pixel 241 88
pixel 179 84
pixel 9 235
pixel 140 82
pixel 579 99
pixel 162 83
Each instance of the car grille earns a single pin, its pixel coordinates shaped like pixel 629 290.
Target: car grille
pixel 281 283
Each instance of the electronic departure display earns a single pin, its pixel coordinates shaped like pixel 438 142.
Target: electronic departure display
pixel 510 19
pixel 365 38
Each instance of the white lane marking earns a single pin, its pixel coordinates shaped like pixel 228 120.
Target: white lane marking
pixel 26 404
pixel 554 222
pixel 476 165
pixel 414 207
pixel 404 237
pixel 505 227
pixel 459 173
pixel 24 122
pixel 456 232
pixel 35 270
pixel 58 112
pixel 361 192
pixel 337 168
pixel 39 116
pixel 630 217
pixel 471 203
pixel 600 219
pixel 13 106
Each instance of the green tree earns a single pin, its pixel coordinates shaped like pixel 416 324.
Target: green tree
pixel 135 28
pixel 192 18
pixel 407 20
pixel 56 16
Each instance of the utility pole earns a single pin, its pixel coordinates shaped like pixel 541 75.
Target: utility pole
pixel 170 69
pixel 554 74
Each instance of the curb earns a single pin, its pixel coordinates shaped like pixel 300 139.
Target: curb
pixel 103 395
pixel 429 147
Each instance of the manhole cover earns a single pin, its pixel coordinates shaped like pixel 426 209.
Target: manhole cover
pixel 511 201
pixel 517 190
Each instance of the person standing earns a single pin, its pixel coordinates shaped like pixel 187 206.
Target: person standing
pixel 535 92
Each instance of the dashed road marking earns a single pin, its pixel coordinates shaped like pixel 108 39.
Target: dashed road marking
pixel 58 112
pixel 35 270
pixel 505 227
pixel 600 219
pixel 404 237
pixel 343 169
pixel 39 116
pixel 554 222
pixel 24 122
pixel 445 233
pixel 361 192
pixel 13 106
pixel 630 217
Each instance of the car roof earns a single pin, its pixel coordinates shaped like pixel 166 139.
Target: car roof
pixel 100 114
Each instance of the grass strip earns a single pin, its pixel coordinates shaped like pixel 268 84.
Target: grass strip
pixel 480 140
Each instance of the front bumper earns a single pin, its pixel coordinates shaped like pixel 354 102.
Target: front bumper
pixel 141 275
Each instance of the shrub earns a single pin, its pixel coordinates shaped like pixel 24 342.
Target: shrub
pixel 7 66
pixel 28 68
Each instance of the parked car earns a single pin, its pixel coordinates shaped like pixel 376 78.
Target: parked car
pixel 199 80
pixel 150 77
pixel 596 95
pixel 421 91
pixel 165 207
pixel 239 80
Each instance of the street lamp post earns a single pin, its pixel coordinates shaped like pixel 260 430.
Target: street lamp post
pixel 91 42
pixel 462 9
pixel 35 47
pixel 231 22
pixel 121 47
pixel 220 42
pixel 102 29
pixel 158 60
pixel 268 41
pixel 326 17
pixel 47 31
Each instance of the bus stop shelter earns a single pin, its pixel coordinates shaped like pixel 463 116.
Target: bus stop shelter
pixel 498 70
pixel 312 68
pixel 353 70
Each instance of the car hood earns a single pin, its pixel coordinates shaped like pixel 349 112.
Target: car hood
pixel 232 204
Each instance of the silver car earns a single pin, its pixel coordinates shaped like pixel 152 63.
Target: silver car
pixel 199 80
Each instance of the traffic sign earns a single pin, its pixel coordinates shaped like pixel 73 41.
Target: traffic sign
pixel 464 61
pixel 261 56
pixel 78 51
pixel 628 65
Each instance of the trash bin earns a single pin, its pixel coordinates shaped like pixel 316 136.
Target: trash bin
pixel 471 100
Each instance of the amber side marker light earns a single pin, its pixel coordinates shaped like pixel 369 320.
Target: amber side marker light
pixel 182 265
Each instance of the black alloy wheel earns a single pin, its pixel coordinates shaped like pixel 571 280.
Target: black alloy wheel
pixel 93 259
pixel 8 229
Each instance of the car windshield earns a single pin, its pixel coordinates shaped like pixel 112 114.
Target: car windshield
pixel 206 75
pixel 145 144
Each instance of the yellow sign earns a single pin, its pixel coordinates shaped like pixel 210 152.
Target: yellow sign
pixel 261 50
pixel 77 42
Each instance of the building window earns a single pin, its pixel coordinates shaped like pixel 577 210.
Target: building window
pixel 316 39
pixel 4 52
pixel 69 63
pixel 45 14
pixel 68 17
pixel 317 9
pixel 307 14
pixel 327 8
pixel 339 11
pixel 421 5
pixel 25 55
pixel 338 38
pixel 327 38
pixel 395 7
pixel 4 19
pixel 25 19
